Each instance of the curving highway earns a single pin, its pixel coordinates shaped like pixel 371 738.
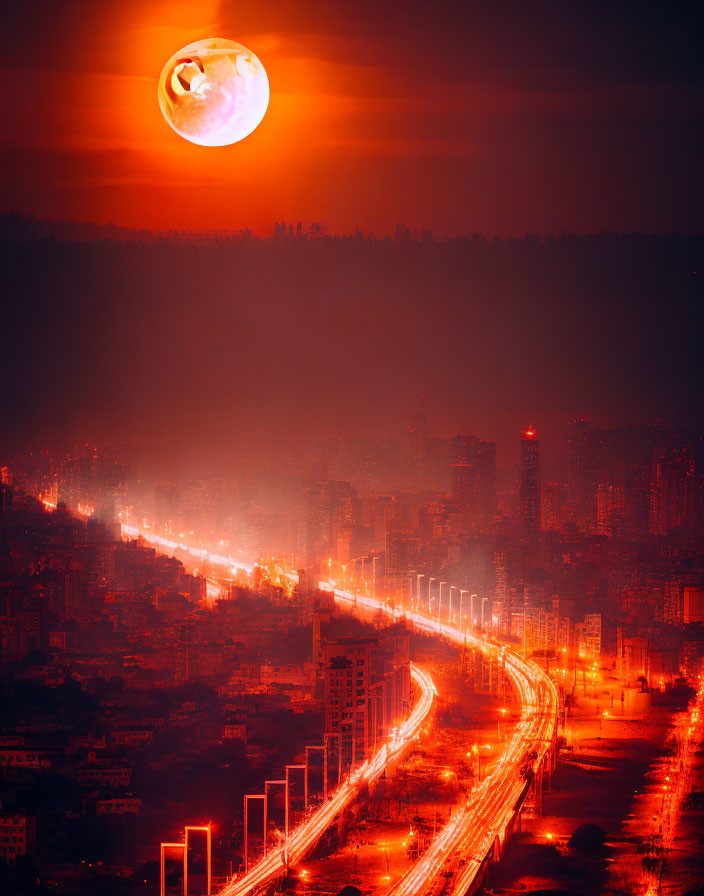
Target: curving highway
pixel 466 842
pixel 307 834
pixel 474 835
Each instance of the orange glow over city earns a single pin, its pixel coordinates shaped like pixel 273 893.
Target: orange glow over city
pixel 352 449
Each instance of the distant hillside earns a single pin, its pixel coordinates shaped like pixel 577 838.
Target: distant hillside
pixel 18 228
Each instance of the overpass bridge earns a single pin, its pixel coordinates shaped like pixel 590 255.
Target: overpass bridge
pixel 465 847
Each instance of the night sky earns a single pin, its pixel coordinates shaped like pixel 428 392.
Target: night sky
pixel 457 116
pixel 460 117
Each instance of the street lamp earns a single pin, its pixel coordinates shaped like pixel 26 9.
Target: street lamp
pixel 176 847
pixel 462 593
pixel 471 610
pixel 247 798
pixel 287 805
pixel 419 576
pixel 204 828
pixel 268 813
pixel 440 599
pixel 449 609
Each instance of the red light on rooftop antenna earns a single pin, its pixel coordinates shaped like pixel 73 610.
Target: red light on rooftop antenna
pixel 529 433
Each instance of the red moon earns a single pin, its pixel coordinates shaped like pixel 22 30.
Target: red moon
pixel 214 92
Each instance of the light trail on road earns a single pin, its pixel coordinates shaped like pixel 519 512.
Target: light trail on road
pixel 491 806
pixel 202 554
pixel 676 777
pixel 307 834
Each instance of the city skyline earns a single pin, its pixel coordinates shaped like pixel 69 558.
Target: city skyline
pixel 599 582
pixel 352 448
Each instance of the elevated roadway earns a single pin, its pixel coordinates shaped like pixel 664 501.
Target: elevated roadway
pixel 476 834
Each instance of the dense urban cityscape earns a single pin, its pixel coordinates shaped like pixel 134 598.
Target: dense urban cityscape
pixel 352 448
pixel 233 651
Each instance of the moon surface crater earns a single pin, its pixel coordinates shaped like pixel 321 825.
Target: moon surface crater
pixel 214 92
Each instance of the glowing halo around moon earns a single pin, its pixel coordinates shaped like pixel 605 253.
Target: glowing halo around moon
pixel 213 92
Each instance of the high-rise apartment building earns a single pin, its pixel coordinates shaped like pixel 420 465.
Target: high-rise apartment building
pixel 692 605
pixel 367 687
pixel 588 459
pixel 17 836
pixel 673 608
pixel 348 678
pixel 500 578
pixel 529 482
pixel 673 487
pixel 589 635
pixel 553 499
pixel 609 510
pixel 474 481
pixel 422 429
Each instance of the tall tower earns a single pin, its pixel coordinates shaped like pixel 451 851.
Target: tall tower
pixel 474 480
pixel 422 428
pixel 588 455
pixel 529 481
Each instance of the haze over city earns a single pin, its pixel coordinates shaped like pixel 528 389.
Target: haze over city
pixel 352 449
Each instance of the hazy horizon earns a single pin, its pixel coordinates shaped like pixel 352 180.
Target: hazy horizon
pixel 226 348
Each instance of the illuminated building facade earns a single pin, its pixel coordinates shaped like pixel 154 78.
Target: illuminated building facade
pixel 17 836
pixel 553 499
pixel 588 635
pixel 367 687
pixel 588 464
pixel 529 482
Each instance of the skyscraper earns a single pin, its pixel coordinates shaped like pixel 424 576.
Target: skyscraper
pixel 474 480
pixel 529 481
pixel 671 497
pixel 588 450
pixel 553 497
pixel 422 429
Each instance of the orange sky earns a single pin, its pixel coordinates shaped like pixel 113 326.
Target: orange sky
pixel 448 116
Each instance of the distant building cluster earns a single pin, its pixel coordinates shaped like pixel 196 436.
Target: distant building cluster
pixel 605 568
pixel 412 518
pixel 110 650
pixel 161 658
